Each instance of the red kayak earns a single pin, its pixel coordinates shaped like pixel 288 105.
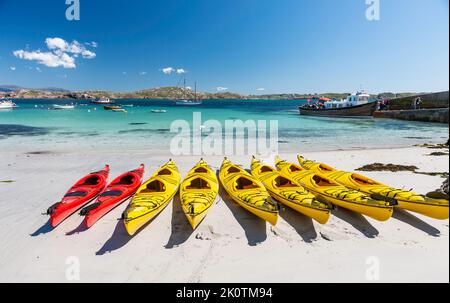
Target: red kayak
pixel 117 192
pixel 79 195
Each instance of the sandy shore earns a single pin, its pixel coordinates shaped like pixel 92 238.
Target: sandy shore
pixel 231 245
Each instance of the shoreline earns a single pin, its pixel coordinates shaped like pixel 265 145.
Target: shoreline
pixel 231 244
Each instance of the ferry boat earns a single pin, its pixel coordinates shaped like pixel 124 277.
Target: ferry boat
pixel 7 104
pixel 356 105
pixel 103 100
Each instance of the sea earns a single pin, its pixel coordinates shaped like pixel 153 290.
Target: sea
pixel 35 126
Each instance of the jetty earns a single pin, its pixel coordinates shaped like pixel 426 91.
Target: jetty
pixel 433 108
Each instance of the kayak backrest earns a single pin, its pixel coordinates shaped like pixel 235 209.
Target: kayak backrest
pixel 243 183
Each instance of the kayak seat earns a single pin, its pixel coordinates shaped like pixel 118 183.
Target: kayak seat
pixel 154 187
pixel 244 183
pixel 198 183
pixel 91 181
pixel 127 180
pixel 283 182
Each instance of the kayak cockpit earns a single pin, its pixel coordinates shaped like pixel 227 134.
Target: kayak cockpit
pixel 201 170
pixel 91 181
pixel 282 182
pixel 243 183
pixel 322 182
pixel 294 168
pixel 199 183
pixel 155 186
pixel 363 180
pixel 266 169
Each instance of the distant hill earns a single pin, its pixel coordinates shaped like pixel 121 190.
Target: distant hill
pixel 170 92
pixel 15 88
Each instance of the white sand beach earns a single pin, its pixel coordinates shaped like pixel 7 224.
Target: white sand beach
pixel 231 245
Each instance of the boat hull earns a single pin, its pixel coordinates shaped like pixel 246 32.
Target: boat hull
pixel 365 110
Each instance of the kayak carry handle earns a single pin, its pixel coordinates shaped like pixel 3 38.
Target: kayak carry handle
pixel 85 211
pixel 52 209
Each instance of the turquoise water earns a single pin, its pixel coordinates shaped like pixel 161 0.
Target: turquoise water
pixel 34 126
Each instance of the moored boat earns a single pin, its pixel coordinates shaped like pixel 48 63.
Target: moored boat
pixel 356 105
pixel 112 107
pixel 103 100
pixel 63 107
pixel 8 104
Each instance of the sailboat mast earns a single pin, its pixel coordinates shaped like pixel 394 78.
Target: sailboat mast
pixel 195 91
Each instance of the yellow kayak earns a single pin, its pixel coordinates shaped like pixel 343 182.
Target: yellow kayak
pixel 431 207
pixel 329 191
pixel 152 197
pixel 198 192
pixel 289 193
pixel 248 192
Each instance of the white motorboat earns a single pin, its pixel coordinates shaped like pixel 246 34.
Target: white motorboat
pixel 63 107
pixel 7 105
pixel 103 100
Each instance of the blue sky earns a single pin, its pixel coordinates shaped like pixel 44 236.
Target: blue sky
pixel 244 46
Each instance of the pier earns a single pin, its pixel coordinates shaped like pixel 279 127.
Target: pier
pixel 434 108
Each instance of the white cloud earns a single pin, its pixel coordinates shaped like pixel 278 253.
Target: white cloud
pixel 13 68
pixel 124 73
pixel 168 70
pixel 142 73
pixel 56 43
pixel 38 69
pixel 171 70
pixel 221 89
pixel 47 58
pixel 93 44
pixel 61 54
pixel 261 89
